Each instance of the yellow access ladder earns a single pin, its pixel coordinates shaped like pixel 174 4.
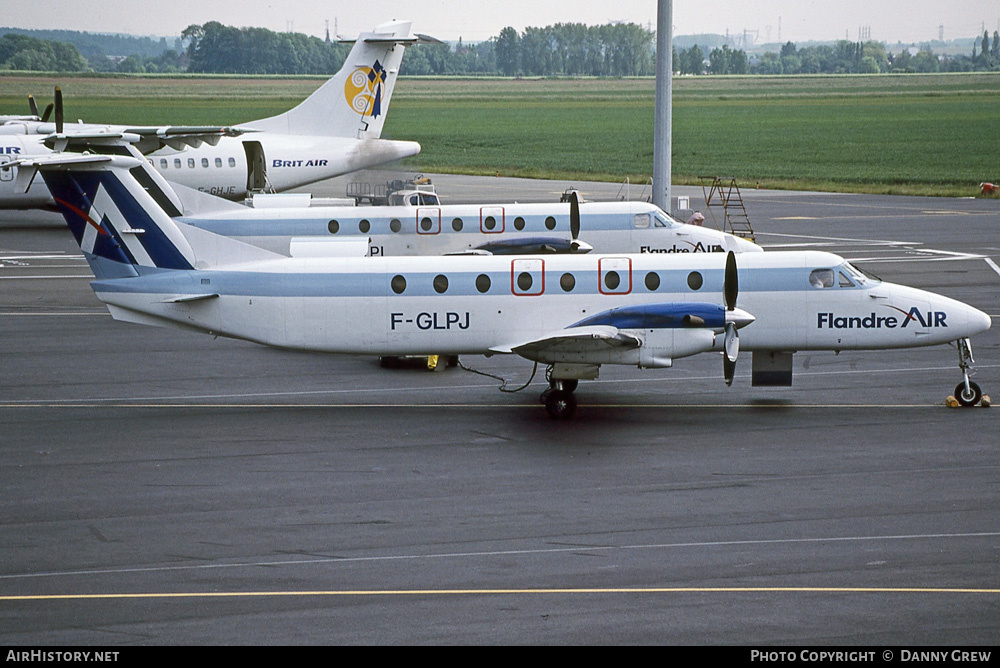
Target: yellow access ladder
pixel 723 191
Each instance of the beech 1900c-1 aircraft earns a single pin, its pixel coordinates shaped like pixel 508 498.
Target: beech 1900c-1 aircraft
pixel 498 229
pixel 425 228
pixel 334 131
pixel 572 312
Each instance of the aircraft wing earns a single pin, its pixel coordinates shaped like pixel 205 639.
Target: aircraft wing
pixel 535 245
pixel 575 341
pixel 146 139
pixel 178 137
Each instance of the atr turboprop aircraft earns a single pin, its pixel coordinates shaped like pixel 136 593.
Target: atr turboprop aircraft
pixel 334 131
pixel 571 312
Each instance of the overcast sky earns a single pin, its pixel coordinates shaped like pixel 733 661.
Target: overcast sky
pixel 477 20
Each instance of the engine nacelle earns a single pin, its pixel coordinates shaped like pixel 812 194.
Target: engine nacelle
pixel 660 347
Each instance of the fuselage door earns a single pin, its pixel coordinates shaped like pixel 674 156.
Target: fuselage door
pixel 428 220
pixel 491 219
pixel 614 275
pixel 527 277
pixel 256 167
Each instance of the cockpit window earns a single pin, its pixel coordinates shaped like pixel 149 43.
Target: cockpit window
pixel 663 220
pixel 641 221
pixel 844 281
pixel 858 276
pixel 821 278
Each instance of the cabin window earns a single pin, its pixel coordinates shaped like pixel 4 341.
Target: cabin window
pixel 567 282
pixel 218 162
pixel 550 223
pixel 483 283
pixel 490 223
pixel 612 280
pixel 333 226
pixel 524 281
pixel 640 221
pixel 190 163
pixel 652 281
pixel 821 278
pixel 695 280
pixel 395 225
pixel 519 223
pixel 232 162
pixel 204 162
pixel 163 163
pixel 440 284
pixel 456 224
pixel 398 284
pixel 426 224
pixel 177 163
pixel 364 226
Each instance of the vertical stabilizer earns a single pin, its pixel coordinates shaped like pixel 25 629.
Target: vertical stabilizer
pixel 120 228
pixel 353 103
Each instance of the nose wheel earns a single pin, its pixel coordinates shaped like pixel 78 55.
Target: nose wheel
pixel 967 393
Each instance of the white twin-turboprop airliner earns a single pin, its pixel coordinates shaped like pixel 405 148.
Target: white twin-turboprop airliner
pixel 426 228
pixel 336 130
pixel 439 229
pixel 570 311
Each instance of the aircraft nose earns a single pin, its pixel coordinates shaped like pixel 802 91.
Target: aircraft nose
pixel 978 321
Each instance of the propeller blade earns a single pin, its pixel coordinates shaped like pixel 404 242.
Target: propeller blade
pixel 732 346
pixel 732 342
pixel 728 370
pixel 731 288
pixel 574 215
pixel 47 112
pixel 32 105
pixel 59 110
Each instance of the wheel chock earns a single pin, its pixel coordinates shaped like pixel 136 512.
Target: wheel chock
pixel 951 402
pixel 985 403
pixel 432 362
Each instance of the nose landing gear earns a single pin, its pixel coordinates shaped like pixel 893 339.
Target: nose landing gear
pixel 967 393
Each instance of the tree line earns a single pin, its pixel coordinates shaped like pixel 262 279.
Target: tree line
pixel 563 49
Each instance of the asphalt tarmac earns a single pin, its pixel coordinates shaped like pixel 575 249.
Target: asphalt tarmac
pixel 166 488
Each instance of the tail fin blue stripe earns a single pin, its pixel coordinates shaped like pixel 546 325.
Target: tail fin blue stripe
pixel 75 193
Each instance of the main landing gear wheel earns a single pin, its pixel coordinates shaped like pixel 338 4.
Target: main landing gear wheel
pixel 968 398
pixel 560 404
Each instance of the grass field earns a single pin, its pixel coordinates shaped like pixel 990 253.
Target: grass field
pixel 919 134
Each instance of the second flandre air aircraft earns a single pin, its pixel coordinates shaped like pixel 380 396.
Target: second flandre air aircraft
pixel 425 228
pixel 336 130
pixel 438 229
pixel 572 312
